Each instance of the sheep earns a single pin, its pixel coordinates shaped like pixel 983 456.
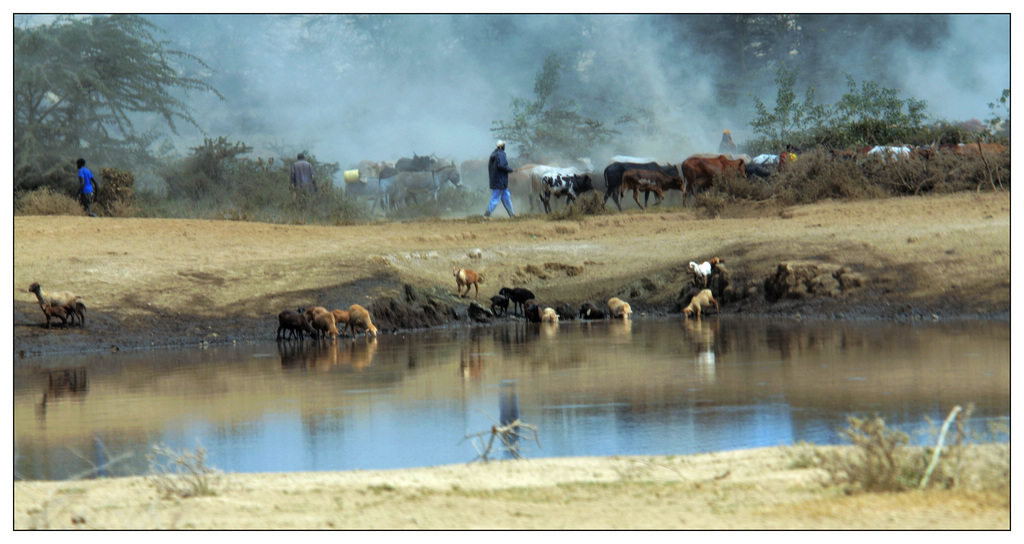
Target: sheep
pixel 620 308
pixel 499 301
pixel 701 272
pixel 467 278
pixel 293 322
pixel 589 311
pixel 71 302
pixel 359 318
pixel 323 322
pixel 701 299
pixel 549 316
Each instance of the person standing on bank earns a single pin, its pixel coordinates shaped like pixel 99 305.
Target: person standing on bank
pixel 86 187
pixel 302 175
pixel 499 169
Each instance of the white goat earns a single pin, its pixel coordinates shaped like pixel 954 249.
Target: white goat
pixel 702 271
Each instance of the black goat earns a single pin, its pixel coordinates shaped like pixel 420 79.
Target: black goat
pixel 518 296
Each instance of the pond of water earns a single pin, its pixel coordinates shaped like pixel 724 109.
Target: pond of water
pixel 651 386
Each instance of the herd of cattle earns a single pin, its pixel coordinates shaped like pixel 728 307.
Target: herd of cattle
pixel 423 176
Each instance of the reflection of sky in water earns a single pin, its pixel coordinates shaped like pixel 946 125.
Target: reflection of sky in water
pixel 712 390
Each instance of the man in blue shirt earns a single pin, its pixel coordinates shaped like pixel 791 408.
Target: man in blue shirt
pixel 498 169
pixel 87 187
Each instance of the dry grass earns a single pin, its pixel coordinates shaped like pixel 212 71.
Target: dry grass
pixel 44 201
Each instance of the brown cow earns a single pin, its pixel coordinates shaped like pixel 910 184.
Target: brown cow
pixel 700 171
pixel 649 181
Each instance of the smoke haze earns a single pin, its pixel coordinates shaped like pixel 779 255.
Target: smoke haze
pixel 348 88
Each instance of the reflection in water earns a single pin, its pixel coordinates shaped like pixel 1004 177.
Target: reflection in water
pixel 607 387
pixel 701 335
pixel 508 408
pixel 356 354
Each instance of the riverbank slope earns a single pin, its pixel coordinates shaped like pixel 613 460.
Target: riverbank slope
pixel 169 282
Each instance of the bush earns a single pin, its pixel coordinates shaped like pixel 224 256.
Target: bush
pixel 44 201
pixel 589 203
pixel 182 474
pixel 115 197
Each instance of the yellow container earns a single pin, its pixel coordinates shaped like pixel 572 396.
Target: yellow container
pixel 351 176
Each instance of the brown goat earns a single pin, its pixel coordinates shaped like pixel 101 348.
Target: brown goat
pixel 359 318
pixel 323 322
pixel 59 312
pixel 700 300
pixel 340 316
pixel 467 278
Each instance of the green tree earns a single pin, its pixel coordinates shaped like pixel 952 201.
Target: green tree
pixel 81 87
pixel 550 124
pixel 776 127
pixel 999 121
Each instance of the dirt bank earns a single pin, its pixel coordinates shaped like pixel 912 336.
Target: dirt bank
pixel 163 282
pixel 748 489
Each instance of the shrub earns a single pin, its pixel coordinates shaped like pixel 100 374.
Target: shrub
pixel 879 462
pixel 589 203
pixel 712 202
pixel 116 195
pixel 44 201
pixel 182 474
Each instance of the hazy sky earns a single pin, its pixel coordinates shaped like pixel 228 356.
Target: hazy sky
pixel 435 84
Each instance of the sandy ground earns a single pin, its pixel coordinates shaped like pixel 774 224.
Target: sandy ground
pixel 749 489
pixel 158 282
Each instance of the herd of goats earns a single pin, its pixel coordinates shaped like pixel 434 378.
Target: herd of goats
pixel 423 176
pixel 321 323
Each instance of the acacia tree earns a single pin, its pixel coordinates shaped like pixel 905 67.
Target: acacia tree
pixel 550 124
pixel 81 87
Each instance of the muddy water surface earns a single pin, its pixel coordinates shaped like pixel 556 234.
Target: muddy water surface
pixel 653 386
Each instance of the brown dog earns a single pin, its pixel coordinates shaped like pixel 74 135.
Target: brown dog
pixel 701 299
pixel 465 277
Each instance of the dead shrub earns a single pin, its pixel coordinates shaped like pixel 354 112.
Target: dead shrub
pixel 116 195
pixel 589 203
pixel 182 474
pixel 879 461
pixel 711 202
pixel 44 201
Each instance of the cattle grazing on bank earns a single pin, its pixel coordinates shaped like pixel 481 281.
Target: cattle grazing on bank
pixel 701 171
pixel 466 278
pixel 613 177
pixel 518 296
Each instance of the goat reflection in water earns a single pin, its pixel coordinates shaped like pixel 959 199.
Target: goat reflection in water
pixel 701 335
pixel 324 355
